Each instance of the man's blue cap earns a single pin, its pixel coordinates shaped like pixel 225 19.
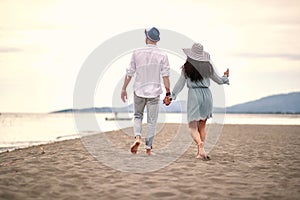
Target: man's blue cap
pixel 152 34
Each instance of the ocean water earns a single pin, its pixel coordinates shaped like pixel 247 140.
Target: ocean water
pixel 23 130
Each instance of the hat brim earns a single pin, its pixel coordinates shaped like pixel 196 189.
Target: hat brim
pixel 199 57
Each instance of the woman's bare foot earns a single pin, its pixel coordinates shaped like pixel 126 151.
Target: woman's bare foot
pixel 201 152
pixel 198 156
pixel 200 148
pixel 203 156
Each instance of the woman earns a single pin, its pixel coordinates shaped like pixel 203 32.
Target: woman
pixel 197 72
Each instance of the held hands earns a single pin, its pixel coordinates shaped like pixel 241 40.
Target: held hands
pixel 167 100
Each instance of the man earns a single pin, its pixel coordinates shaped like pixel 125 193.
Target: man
pixel 149 64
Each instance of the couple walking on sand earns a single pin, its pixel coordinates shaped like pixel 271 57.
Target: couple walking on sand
pixel 149 64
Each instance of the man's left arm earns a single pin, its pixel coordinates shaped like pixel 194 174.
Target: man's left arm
pixel 167 100
pixel 166 83
pixel 166 80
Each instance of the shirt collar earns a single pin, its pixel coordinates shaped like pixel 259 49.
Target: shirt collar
pixel 151 45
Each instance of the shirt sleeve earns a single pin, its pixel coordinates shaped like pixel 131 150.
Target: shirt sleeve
pixel 220 80
pixel 178 86
pixel 165 69
pixel 132 67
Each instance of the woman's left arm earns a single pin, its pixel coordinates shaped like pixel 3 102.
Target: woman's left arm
pixel 178 86
pixel 220 80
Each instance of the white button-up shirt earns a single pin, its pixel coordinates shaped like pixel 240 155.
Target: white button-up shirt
pixel 149 64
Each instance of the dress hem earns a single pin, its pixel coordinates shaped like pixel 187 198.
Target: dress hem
pixel 199 118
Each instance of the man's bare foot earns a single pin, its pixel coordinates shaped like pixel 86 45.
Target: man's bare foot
pixel 135 146
pixel 149 153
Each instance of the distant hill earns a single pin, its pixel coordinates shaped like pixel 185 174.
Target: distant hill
pixel 174 107
pixel 276 104
pixel 281 103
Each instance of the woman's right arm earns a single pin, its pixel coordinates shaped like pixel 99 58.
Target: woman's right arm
pixel 178 86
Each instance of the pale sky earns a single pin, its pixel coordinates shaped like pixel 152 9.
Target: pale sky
pixel 43 45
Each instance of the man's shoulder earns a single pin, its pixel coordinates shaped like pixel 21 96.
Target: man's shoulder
pixel 161 51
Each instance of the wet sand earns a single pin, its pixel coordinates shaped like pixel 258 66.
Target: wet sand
pixel 248 162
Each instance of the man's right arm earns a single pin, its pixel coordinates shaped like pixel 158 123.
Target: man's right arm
pixel 129 73
pixel 125 84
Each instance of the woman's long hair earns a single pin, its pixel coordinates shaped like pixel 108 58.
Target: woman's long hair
pixel 197 70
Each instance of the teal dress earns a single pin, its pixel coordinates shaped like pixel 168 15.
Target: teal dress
pixel 200 102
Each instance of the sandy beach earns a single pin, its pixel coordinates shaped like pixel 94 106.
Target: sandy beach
pixel 248 162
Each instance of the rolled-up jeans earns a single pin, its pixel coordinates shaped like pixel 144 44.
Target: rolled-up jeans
pixel 152 114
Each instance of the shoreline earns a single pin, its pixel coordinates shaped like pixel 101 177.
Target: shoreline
pixel 248 162
pixel 77 136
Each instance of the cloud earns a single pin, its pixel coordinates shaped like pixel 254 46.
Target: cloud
pixel 274 55
pixel 9 50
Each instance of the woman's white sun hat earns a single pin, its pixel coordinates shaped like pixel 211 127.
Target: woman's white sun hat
pixel 197 53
